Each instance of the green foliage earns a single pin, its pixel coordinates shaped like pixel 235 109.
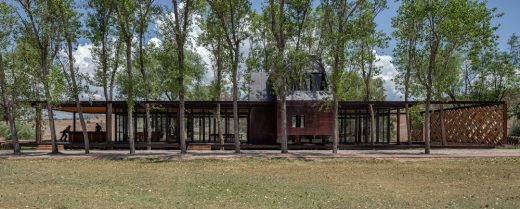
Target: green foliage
pixel 24 130
pixel 349 88
pixel 515 129
pixel 8 24
pixel 416 118
pixel 431 34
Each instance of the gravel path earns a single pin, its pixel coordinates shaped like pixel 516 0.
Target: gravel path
pixel 216 154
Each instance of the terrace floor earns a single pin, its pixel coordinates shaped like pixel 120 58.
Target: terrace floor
pixel 217 154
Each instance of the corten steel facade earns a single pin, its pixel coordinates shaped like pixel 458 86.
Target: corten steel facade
pixel 309 124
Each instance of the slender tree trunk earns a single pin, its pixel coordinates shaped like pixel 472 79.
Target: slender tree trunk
pixel 283 114
pixel 9 109
pixel 335 139
pixel 407 75
pixel 218 89
pixel 148 127
pixel 182 131
pixel 236 127
pixel 219 127
pixel 46 88
pixel 76 97
pixel 182 135
pixel 38 123
pixel 130 103
pixel 427 125
pixel 109 95
pixel 83 126
pixel 147 88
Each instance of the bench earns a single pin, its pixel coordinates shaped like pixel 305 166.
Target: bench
pixel 49 147
pixel 199 146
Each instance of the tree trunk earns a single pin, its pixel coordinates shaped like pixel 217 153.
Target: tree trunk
pixel 182 135
pixel 46 88
pixel 14 131
pixel 218 58
pixel 283 114
pixel 9 109
pixel 372 124
pixel 147 88
pixel 219 127
pixel 50 115
pixel 180 39
pixel 109 95
pixel 148 127
pixel 130 103
pixel 38 123
pixel 335 139
pixel 236 131
pixel 182 131
pixel 83 126
pixel 427 126
pixel 76 97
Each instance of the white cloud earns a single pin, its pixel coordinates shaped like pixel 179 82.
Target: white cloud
pixel 387 74
pixel 155 41
pixel 86 65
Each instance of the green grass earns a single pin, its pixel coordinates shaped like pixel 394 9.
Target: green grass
pixel 260 183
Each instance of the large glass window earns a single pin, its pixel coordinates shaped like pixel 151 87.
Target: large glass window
pixel 202 127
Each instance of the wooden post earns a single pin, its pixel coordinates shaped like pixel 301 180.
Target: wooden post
pixel 504 122
pixel 108 123
pixel 398 126
pixel 443 127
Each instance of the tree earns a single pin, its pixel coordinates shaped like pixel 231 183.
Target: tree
pixel 279 26
pixel 126 22
pixel 213 39
pixel 233 18
pixel 367 39
pixel 444 27
pixel 8 23
pixel 40 25
pixel 182 19
pixel 407 35
pixel 70 29
pixel 336 17
pixel 145 11
pixel 106 50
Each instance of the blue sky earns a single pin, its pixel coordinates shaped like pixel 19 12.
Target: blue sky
pixel 509 23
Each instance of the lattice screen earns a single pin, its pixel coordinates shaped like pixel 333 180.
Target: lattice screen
pixel 477 125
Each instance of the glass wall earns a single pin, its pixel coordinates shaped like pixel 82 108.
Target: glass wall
pixel 201 127
pixel 354 128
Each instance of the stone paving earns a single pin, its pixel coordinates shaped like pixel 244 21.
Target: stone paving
pixel 217 154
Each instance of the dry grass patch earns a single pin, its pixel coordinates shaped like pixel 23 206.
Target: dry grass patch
pixel 260 183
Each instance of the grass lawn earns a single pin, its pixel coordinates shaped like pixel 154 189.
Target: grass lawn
pixel 260 183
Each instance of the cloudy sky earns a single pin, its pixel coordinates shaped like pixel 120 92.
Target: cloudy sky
pixel 508 26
